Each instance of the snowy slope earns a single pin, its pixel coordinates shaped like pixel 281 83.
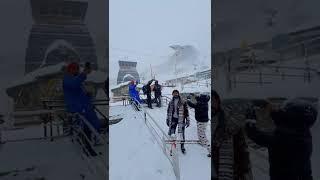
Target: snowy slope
pixel 182 62
pixel 133 153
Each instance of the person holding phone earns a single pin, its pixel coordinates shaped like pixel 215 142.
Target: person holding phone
pixel 76 98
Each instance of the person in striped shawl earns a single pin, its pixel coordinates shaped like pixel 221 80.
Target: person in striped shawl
pixel 178 116
pixel 230 149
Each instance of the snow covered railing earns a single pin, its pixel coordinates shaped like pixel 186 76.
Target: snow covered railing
pixel 167 99
pixel 160 137
pixel 96 162
pixel 88 144
pixel 59 103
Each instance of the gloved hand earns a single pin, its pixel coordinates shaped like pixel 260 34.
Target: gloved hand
pixel 187 122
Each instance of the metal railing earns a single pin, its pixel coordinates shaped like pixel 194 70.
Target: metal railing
pixel 54 105
pixel 96 163
pixel 160 136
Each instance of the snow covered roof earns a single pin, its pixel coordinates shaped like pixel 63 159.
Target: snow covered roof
pixel 121 84
pixel 128 76
pixel 30 77
pixel 185 74
pixel 94 76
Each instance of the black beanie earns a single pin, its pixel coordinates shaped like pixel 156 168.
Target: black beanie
pixel 175 91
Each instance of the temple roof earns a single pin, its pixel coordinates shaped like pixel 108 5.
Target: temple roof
pixel 58 11
pixel 95 76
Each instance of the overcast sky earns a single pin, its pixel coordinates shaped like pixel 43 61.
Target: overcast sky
pixel 15 16
pixel 143 30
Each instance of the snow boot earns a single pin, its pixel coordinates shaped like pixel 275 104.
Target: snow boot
pixel 183 150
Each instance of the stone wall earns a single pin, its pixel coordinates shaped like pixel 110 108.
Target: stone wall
pixel 127 67
pixel 43 37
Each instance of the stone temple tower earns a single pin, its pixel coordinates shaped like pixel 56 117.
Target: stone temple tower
pixel 59 34
pixel 127 72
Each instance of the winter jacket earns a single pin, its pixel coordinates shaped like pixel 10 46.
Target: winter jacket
pixel 201 108
pixel 157 90
pixel 148 87
pixel 183 114
pixel 290 144
pixel 77 100
pixel 289 152
pixel 132 90
pixel 133 93
pixel 74 95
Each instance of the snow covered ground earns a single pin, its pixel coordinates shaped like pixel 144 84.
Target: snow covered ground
pixel 196 155
pixel 134 154
pixel 60 159
pixel 132 151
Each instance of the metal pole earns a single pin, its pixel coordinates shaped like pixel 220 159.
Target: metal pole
pixel 45 129
pixel 145 117
pixel 51 127
pixel 58 129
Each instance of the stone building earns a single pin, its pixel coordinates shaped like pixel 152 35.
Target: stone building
pixel 46 83
pixel 127 72
pixel 59 34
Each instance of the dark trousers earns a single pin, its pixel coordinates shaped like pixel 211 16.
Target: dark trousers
pixel 149 100
pixel 158 100
pixel 172 130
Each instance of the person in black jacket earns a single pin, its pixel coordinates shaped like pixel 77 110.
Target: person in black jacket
pixel 157 93
pixel 290 144
pixel 148 92
pixel 202 118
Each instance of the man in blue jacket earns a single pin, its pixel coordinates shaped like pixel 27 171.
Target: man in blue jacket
pixel 134 94
pixel 76 98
